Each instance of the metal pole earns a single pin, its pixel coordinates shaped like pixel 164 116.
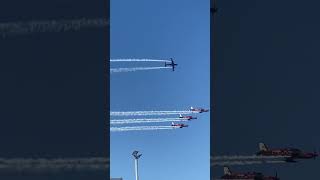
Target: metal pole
pixel 136 157
pixel 136 169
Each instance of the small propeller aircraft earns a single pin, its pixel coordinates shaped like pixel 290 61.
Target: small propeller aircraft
pixel 178 125
pixel 248 175
pixel 187 117
pixel 199 110
pixel 290 154
pixel 172 64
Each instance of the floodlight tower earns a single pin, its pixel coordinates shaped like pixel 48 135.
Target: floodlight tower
pixel 136 157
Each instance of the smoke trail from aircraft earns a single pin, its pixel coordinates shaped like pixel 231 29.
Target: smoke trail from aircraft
pixel 145 120
pixel 141 128
pixel 246 157
pixel 42 165
pixel 119 70
pixel 148 113
pixel 12 28
pixel 138 60
pixel 226 163
pixel 275 162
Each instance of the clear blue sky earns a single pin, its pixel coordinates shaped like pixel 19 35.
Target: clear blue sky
pixel 162 29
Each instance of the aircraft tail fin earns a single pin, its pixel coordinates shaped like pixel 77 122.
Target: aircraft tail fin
pixel 262 147
pixel 226 170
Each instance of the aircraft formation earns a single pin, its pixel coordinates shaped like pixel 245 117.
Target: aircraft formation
pixel 263 156
pixel 116 124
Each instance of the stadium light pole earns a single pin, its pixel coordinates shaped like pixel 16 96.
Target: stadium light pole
pixel 136 157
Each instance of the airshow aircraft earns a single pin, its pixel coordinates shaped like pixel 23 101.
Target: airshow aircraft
pixel 292 153
pixel 187 117
pixel 248 175
pixel 199 110
pixel 178 125
pixel 172 64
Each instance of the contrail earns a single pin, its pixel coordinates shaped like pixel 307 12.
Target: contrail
pixel 147 113
pixel 225 163
pixel 41 165
pixel 275 162
pixel 51 26
pixel 141 128
pixel 119 70
pixel 246 157
pixel 135 121
pixel 139 60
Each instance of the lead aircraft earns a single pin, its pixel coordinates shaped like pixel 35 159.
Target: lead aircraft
pixel 172 64
pixel 198 110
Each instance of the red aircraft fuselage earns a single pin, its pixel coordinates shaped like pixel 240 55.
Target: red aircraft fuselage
pixel 188 117
pixel 199 110
pixel 179 125
pixel 291 154
pixel 249 176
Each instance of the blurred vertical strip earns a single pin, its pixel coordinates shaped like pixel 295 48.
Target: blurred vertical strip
pixel 107 85
pixel 213 74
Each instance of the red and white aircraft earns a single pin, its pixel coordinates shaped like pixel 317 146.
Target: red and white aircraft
pixel 290 153
pixel 248 175
pixel 178 125
pixel 187 117
pixel 198 110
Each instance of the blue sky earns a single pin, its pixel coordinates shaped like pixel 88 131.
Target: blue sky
pixel 161 30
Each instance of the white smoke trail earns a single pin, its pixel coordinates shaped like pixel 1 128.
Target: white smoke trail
pixel 17 165
pixel 145 127
pixel 141 128
pixel 138 60
pixel 226 163
pixel 147 113
pixel 11 28
pixel 246 157
pixel 135 121
pixel 275 162
pixel 119 70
